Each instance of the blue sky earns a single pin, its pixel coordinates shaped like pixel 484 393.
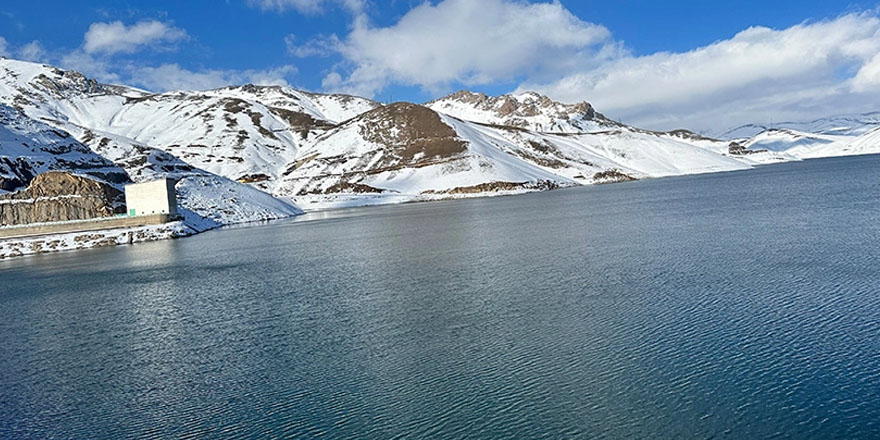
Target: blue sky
pixel 795 59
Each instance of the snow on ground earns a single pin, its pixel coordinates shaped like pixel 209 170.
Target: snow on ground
pixel 211 201
pixel 868 143
pixel 17 247
pixel 28 147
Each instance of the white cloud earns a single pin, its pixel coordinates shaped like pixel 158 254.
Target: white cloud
pixel 463 41
pixel 868 76
pixel 167 77
pixel 319 47
pixel 333 80
pixel 174 77
pixel 760 74
pixel 116 37
pixel 102 66
pixel 809 70
pixel 33 51
pixel 3 48
pixel 306 6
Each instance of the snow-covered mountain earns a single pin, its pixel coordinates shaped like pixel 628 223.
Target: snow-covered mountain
pixel 406 152
pixel 325 150
pixel 529 110
pixel 834 136
pixel 245 153
pixel 841 125
pixel 278 147
pixel 244 133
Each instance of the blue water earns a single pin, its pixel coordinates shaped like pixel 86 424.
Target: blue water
pixel 735 305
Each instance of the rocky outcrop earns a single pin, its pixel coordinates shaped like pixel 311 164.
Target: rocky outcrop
pixel 60 196
pixel 528 110
pixel 737 149
pixel 612 176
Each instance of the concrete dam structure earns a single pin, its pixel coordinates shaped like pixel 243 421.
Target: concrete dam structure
pixel 151 198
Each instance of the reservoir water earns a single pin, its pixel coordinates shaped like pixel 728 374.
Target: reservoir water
pixel 734 305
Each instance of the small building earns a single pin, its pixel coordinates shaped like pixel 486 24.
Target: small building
pixel 150 198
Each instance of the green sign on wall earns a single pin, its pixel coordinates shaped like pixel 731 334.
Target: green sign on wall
pixel 131 212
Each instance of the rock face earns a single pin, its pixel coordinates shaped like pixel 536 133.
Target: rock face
pixel 60 196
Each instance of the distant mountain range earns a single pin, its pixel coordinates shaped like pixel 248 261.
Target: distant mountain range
pixel 259 152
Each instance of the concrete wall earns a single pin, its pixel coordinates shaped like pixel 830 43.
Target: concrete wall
pixel 156 197
pixel 83 225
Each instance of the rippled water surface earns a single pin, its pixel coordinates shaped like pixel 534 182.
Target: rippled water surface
pixel 736 305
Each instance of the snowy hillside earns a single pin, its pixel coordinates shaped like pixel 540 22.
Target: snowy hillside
pixel 244 133
pixel 868 143
pixel 405 152
pixel 834 136
pixel 28 148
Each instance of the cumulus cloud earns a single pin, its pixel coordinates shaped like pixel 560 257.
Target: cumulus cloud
pixel 760 74
pixel 306 6
pixel 462 41
pixel 174 77
pixel 116 37
pixel 809 70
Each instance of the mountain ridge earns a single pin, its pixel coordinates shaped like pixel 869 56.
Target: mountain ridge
pixel 326 150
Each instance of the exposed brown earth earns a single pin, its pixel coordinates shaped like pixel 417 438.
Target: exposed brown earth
pixel 542 161
pixel 409 130
pixel 302 123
